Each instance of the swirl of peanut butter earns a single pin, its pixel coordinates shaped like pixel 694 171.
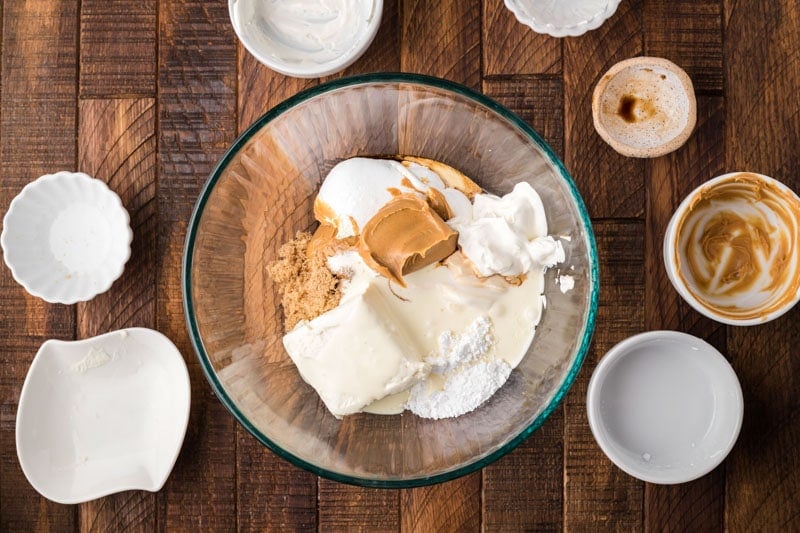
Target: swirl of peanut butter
pixel 738 247
pixel 405 235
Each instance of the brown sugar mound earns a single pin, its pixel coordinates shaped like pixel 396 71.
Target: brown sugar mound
pixel 306 285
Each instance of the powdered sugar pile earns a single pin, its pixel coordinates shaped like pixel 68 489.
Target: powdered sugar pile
pixel 468 380
pixel 455 350
pixel 463 391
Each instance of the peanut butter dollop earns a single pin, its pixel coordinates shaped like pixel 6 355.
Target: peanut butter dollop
pixel 738 247
pixel 405 235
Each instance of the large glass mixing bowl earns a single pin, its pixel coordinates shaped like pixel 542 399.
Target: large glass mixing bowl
pixel 262 192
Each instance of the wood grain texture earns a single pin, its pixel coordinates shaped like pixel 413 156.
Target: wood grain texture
pixel 699 505
pixel 598 496
pixel 384 52
pixel 762 73
pixel 37 130
pixel 200 494
pixel 261 89
pixel 539 101
pixel 21 508
pixel 442 39
pixel 118 48
pixel 197 98
pixel 117 144
pixel 197 121
pixel 611 185
pixel 669 179
pixel 511 48
pixel 524 490
pixel 161 87
pixel 450 506
pixel 273 494
pixel 349 508
pixel 689 33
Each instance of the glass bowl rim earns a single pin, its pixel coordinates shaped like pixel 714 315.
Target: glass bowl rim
pixel 366 79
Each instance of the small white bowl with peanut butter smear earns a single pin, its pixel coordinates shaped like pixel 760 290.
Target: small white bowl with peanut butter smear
pixel 732 249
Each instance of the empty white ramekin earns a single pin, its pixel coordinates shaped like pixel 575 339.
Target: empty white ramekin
pixel 665 407
pixel 66 237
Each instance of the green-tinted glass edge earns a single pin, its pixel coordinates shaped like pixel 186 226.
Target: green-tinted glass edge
pixel 307 94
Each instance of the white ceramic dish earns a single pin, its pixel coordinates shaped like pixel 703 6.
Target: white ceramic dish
pixel 665 407
pixel 788 296
pixel 562 18
pixel 102 415
pixel 644 107
pixel 66 237
pixel 306 39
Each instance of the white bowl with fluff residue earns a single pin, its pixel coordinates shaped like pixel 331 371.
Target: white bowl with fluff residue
pixel 102 415
pixel 306 38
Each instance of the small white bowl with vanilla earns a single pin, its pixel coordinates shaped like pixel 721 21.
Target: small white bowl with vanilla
pixel 644 107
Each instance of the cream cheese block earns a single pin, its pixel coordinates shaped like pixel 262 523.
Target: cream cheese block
pixel 355 353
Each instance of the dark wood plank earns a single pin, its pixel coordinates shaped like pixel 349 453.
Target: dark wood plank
pixel 37 130
pixel 539 101
pixel 383 54
pixel 511 47
pixel 442 39
pixel 524 490
pixel 699 505
pixel 118 48
pixel 197 118
pixel 762 133
pixel 598 496
pixel 451 506
pixel 261 89
pixel 611 185
pixel 349 508
pixel 117 144
pixel 689 33
pixel 272 493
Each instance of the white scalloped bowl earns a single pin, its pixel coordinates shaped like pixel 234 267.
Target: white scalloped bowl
pixel 562 18
pixel 66 237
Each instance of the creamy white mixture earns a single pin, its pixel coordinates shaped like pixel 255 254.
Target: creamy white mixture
pixel 303 31
pixel 448 340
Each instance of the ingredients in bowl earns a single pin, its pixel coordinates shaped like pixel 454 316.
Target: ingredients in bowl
pixel 437 288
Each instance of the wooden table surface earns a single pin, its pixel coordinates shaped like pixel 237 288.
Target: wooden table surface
pixel 147 94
